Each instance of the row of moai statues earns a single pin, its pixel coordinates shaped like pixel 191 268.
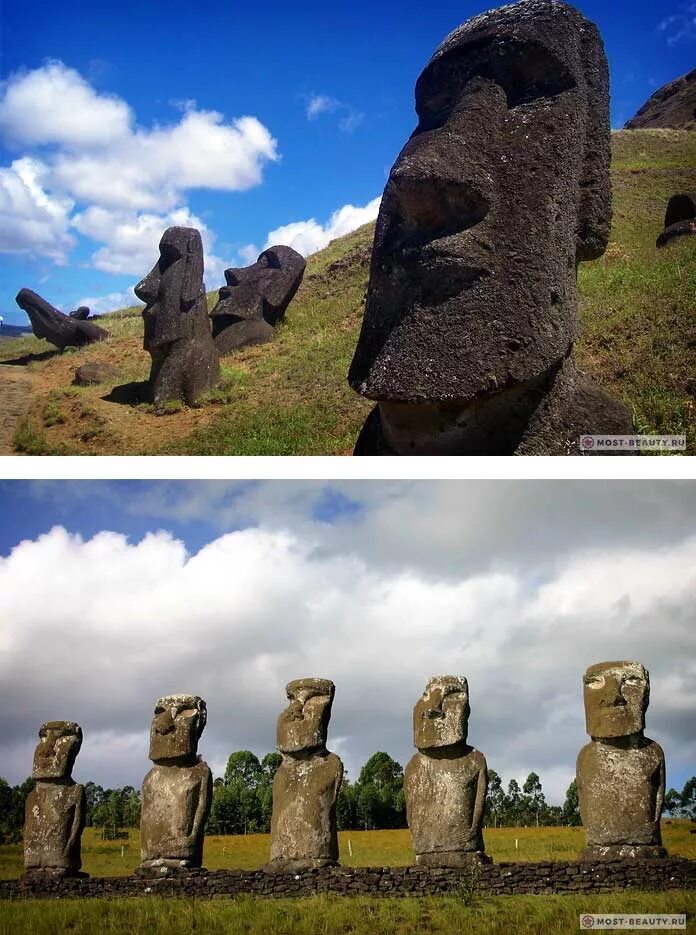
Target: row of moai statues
pixel 620 775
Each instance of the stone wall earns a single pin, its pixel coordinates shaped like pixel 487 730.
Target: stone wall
pixel 492 879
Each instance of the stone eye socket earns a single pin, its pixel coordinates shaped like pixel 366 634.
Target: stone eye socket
pixel 596 681
pixel 187 712
pixel 525 70
pixel 633 680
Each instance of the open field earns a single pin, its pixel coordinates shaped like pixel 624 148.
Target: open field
pixel 370 849
pixel 325 915
pixel 638 339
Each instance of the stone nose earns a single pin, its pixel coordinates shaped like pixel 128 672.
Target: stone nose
pixel 435 204
pixel 611 696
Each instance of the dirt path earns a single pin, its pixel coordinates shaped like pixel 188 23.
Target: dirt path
pixel 15 396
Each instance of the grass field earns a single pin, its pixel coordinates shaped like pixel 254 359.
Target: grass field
pixel 325 915
pixel 370 849
pixel 638 339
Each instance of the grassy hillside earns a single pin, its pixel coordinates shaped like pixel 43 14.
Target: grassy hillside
pixel 638 339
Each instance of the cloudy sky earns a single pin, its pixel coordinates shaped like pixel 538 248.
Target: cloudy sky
pixel 256 124
pixel 113 593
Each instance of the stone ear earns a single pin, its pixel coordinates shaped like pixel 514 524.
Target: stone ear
pixel 193 271
pixel 594 208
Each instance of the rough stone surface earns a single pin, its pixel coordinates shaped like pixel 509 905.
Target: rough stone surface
pixel 502 189
pixel 680 218
pixel 177 792
pixel 672 107
pixel 306 784
pixel 81 313
pixel 95 372
pixel 445 783
pixel 494 879
pixel 55 808
pixel 621 773
pixel 185 363
pixel 255 298
pixel 55 327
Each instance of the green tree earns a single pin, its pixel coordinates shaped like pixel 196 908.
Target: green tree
pixel 495 799
pixel 571 806
pixel 380 800
pixel 533 800
pixel 688 799
pixel 243 767
pixel 347 806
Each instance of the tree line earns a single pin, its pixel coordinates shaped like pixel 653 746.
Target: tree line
pixel 243 800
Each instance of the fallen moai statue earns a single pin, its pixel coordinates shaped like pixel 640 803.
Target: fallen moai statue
pixel 58 329
pixel 255 298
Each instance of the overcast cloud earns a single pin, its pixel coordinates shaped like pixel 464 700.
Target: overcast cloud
pixel 518 586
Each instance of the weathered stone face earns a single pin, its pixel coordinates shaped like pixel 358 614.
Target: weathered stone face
pixel 616 697
pixel 177 331
pixel 55 755
pixel 256 298
pixel 680 219
pixel 55 808
pixel 55 327
pixel 441 715
pixel 177 792
pixel 306 784
pixel 445 783
pixel 502 189
pixel 621 773
pixel 177 725
pixel 303 725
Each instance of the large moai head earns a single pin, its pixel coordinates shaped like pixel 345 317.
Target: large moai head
pixel 502 189
pixel 59 744
pixel 172 288
pixel 441 714
pixel 616 696
pixel 177 725
pixel 262 290
pixel 303 725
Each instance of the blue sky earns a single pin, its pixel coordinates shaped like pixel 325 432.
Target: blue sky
pixel 119 119
pixel 115 593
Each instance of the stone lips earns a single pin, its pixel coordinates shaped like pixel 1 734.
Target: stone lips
pixel 621 773
pixel 185 363
pixel 256 298
pixel 55 327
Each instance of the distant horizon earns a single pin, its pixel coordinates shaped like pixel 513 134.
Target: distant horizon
pixel 281 127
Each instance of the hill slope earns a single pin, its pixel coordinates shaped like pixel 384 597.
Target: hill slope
pixel 638 339
pixel 672 107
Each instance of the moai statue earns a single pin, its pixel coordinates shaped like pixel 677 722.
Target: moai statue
pixel 501 191
pixel 680 218
pixel 55 327
pixel 306 784
pixel 55 808
pixel 255 298
pixel 445 783
pixel 621 773
pixel 177 792
pixel 81 313
pixel 185 363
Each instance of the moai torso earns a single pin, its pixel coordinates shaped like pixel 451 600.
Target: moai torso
pixel 621 773
pixel 177 792
pixel 55 809
pixel 303 826
pixel 54 820
pixel 621 793
pixel 306 785
pixel 171 822
pixel 445 783
pixel 444 802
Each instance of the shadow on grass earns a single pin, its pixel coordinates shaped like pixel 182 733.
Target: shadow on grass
pixel 129 394
pixel 30 358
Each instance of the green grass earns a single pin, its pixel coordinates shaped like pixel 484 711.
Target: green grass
pixel 330 915
pixel 370 849
pixel 290 397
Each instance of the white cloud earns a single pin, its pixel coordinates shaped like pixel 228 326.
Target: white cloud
pixel 309 236
pixel 319 104
pixel 109 303
pixel 54 104
pixel 681 25
pixel 33 222
pixel 145 619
